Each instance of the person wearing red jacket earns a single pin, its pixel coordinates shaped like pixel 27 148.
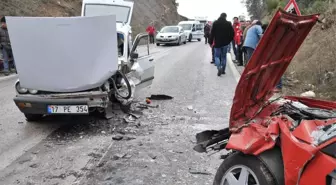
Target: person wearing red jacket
pixel 237 41
pixel 151 31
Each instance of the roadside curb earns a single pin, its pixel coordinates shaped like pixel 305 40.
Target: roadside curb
pixel 10 77
pixel 239 68
pixel 233 68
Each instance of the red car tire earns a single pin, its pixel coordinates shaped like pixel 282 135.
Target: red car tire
pixel 253 164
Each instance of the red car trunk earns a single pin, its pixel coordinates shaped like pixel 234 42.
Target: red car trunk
pixel 275 51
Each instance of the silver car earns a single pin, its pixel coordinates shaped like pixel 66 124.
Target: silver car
pixel 171 35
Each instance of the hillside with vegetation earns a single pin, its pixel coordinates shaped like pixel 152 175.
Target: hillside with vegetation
pixel 314 66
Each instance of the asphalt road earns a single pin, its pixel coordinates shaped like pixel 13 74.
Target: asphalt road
pixel 156 149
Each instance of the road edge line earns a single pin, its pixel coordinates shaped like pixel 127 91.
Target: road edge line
pixel 233 68
pixel 10 77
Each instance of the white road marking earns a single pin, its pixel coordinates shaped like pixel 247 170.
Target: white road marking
pixel 233 68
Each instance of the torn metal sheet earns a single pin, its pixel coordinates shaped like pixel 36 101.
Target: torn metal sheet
pixel 130 119
pixel 160 97
pixel 64 54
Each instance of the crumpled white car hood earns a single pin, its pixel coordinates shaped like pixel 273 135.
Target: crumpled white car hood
pixel 65 54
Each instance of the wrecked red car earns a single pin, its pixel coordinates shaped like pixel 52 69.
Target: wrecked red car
pixel 275 140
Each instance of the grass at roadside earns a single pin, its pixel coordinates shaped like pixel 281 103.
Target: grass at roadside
pixel 313 67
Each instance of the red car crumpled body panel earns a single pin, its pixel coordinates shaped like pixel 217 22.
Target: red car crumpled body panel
pixel 253 127
pixel 304 163
pixel 276 49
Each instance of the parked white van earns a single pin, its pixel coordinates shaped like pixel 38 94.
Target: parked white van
pixel 193 29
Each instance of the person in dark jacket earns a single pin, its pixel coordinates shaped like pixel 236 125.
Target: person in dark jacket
pixel 264 27
pixel 222 33
pixel 5 45
pixel 207 29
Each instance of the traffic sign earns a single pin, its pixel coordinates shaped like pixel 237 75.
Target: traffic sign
pixel 292 7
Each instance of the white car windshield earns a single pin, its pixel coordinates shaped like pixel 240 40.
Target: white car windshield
pixel 186 26
pixel 169 30
pixel 121 12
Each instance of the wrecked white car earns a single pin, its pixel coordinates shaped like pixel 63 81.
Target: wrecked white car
pixel 75 65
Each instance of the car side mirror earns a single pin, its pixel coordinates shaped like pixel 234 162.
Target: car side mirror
pixel 134 55
pixel 193 29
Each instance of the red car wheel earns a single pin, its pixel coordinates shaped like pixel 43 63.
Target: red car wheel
pixel 240 169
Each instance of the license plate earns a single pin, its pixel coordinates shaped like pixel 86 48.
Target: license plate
pixel 68 109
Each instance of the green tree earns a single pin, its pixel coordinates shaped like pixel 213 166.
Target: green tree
pixel 255 8
pixel 272 5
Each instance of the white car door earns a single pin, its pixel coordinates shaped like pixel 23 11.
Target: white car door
pixel 142 61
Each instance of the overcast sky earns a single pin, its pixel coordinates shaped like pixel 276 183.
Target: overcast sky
pixel 211 8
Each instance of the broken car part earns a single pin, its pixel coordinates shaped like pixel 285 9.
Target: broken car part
pixel 160 97
pixel 281 141
pixel 212 140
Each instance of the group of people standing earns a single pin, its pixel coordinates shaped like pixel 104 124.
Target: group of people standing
pixel 222 35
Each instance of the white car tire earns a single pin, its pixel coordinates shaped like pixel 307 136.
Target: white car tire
pixel 190 38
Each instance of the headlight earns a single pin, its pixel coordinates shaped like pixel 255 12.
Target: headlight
pixel 20 89
pixel 32 91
